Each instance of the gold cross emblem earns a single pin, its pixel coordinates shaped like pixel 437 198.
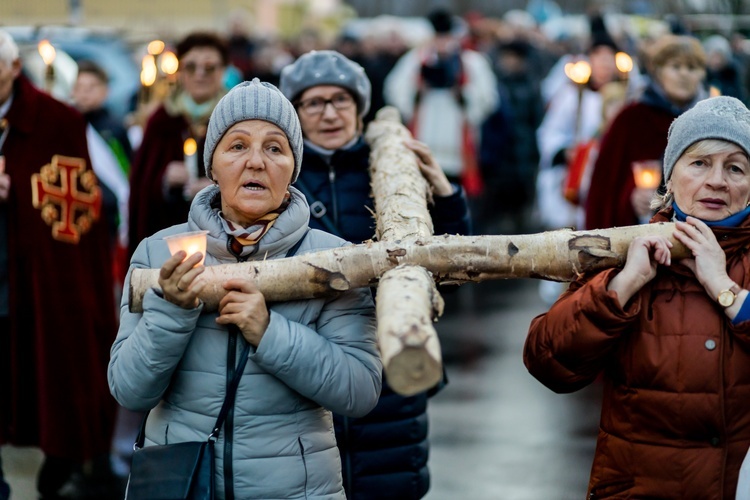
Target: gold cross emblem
pixel 68 196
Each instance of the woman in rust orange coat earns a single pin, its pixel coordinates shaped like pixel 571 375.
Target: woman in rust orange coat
pixel 670 338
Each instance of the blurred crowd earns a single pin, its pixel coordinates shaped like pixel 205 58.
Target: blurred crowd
pixel 541 131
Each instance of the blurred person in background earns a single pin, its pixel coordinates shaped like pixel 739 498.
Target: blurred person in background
pixel 89 96
pixel 669 338
pixel 110 151
pixel 383 454
pixel 444 94
pixel 380 50
pixel 723 71
pixel 57 311
pixel 508 155
pixel 112 165
pixel 162 183
pixel 573 117
pixel 677 66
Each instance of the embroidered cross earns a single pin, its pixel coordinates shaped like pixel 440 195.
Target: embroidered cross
pixel 68 196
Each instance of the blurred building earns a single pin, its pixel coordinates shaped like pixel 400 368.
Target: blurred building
pixel 289 17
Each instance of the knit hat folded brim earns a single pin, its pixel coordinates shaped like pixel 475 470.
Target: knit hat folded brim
pixel 722 118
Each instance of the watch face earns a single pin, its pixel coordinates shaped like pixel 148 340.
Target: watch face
pixel 726 298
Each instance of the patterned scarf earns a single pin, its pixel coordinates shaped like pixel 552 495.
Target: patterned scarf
pixel 244 240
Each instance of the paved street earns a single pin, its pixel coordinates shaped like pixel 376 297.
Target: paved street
pixel 496 432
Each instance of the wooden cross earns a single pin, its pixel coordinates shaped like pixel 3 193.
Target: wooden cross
pixel 407 261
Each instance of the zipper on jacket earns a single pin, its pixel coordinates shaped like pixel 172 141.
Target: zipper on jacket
pixel 304 461
pixel 334 201
pixel 229 422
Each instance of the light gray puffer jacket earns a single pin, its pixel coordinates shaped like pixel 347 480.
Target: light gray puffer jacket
pixel 316 356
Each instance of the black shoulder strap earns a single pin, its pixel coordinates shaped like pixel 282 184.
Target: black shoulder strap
pixel 324 218
pixel 296 246
pixel 231 392
pixel 228 402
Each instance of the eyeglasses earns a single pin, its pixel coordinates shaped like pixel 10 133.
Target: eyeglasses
pixel 316 105
pixel 209 69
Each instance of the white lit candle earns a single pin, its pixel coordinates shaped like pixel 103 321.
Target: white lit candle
pixel 190 148
pixel 191 242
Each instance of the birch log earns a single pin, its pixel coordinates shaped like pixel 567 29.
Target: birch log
pixel 407 298
pixel 560 255
pixel 408 304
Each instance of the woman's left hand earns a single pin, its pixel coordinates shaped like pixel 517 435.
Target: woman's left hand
pixel 245 307
pixel 431 170
pixel 709 263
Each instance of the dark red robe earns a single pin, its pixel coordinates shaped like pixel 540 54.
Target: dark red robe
pixel 639 132
pixel 54 346
pixel 151 207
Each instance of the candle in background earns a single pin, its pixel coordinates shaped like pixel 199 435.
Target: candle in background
pixel 579 72
pixel 169 65
pixel 647 173
pixel 48 53
pixel 191 242
pixel 148 77
pixel 624 64
pixel 190 148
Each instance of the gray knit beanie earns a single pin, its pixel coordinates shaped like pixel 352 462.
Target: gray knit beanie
pixel 253 100
pixel 326 67
pixel 723 117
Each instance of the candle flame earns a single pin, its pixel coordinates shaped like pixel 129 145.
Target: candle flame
pixel 47 51
pixel 190 146
pixel 148 71
pixel 623 62
pixel 169 63
pixel 155 47
pixel 579 71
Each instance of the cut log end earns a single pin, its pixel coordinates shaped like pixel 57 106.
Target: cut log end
pixel 413 371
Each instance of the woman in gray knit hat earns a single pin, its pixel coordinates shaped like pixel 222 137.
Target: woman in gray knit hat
pixel 306 358
pixel 670 338
pixel 384 455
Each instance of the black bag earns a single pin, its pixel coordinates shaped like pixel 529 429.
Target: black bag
pixel 181 470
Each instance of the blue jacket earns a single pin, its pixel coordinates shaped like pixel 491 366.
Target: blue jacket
pixel 316 355
pixel 383 454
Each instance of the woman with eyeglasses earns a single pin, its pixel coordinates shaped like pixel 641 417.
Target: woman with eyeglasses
pixel 162 181
pixel 384 454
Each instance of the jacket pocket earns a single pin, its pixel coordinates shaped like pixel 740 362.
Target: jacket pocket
pixel 607 489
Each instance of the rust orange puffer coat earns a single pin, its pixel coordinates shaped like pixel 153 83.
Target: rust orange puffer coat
pixel 675 419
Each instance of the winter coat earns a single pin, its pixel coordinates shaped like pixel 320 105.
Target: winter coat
pixel 316 355
pixel 675 419
pixel 339 196
pixel 384 454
